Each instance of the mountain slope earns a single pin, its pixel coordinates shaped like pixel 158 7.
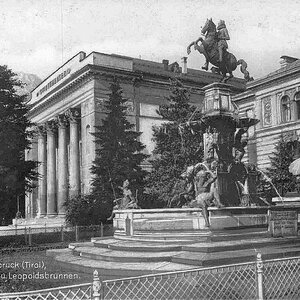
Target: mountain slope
pixel 30 82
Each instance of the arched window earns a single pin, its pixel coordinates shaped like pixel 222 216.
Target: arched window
pixel 297 105
pixel 286 113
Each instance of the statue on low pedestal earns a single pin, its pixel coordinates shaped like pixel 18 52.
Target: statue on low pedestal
pixel 128 201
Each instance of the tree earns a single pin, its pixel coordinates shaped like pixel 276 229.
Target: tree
pixel 177 146
pixel 16 174
pixel 81 210
pixel 279 173
pixel 118 154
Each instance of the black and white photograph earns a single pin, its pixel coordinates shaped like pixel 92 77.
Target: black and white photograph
pixel 149 150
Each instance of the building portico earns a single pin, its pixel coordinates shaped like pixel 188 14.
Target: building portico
pixel 59 169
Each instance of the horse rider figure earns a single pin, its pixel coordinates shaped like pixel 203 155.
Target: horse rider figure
pixel 222 35
pixel 214 47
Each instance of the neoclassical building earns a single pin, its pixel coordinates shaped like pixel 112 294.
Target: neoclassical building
pixel 68 104
pixel 274 100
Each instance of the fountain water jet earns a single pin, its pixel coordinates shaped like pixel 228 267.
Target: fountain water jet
pixel 270 181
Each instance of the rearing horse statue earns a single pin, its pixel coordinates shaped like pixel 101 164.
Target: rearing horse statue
pixel 209 48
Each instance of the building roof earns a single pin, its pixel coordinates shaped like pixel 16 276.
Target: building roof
pixel 289 65
pixel 128 65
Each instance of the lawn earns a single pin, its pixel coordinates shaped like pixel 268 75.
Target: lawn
pixel 26 271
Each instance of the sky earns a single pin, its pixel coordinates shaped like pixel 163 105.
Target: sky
pixel 37 36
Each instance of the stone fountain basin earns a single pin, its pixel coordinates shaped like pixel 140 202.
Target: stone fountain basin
pixel 129 222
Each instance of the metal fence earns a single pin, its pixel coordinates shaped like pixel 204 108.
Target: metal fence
pixel 270 279
pixel 281 278
pixel 37 235
pixel 227 282
pixel 75 292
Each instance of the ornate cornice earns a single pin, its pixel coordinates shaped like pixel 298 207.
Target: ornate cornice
pixel 61 92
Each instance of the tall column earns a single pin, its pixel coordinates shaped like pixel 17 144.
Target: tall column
pixel 28 196
pixel 42 170
pixel 62 175
pixel 34 192
pixel 74 117
pixel 51 168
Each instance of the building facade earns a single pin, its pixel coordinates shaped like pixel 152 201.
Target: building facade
pixel 68 105
pixel 275 101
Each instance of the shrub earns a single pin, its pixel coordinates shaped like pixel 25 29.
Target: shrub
pixel 86 210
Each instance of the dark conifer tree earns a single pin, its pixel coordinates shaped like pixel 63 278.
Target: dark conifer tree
pixel 118 155
pixel 177 145
pixel 282 157
pixel 16 174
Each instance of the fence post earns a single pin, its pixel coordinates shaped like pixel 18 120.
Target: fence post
pixel 29 237
pixel 259 270
pixel 96 286
pixel 45 227
pixel 101 229
pixel 76 233
pixel 62 233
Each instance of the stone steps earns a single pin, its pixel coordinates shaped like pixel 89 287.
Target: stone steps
pixel 123 256
pixel 204 247
pixel 160 239
pixel 168 232
pixel 109 270
pixel 230 235
pixel 233 257
pixel 149 252
pixel 236 245
pixel 119 245
pixel 115 258
pixel 193 236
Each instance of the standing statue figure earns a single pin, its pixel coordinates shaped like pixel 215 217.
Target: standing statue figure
pixel 214 48
pixel 206 193
pixel 239 144
pixel 237 169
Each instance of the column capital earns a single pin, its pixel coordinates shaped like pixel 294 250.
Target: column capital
pixel 62 121
pixel 73 115
pixel 51 126
pixel 41 130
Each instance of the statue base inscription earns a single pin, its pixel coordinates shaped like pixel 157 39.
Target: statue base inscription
pixel 283 223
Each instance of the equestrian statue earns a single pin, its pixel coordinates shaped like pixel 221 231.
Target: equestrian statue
pixel 214 47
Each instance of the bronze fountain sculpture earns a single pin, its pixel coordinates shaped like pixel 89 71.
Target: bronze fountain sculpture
pixel 214 47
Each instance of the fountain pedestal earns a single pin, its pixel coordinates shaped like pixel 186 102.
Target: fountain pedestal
pixel 188 223
pixel 224 142
pixel 139 222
